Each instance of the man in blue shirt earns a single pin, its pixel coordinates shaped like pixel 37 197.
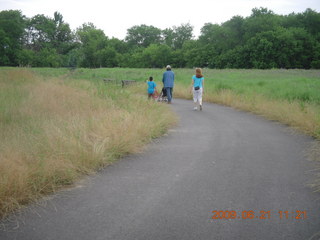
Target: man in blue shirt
pixel 168 80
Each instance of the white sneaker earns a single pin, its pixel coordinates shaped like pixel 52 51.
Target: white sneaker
pixel 195 108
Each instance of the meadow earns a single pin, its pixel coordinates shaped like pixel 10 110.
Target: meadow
pixel 291 85
pixel 289 96
pixel 55 129
pixel 58 124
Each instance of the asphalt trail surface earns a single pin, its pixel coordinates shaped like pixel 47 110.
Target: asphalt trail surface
pixel 219 159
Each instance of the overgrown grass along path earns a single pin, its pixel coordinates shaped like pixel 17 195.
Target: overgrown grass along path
pixel 58 124
pixel 289 96
pixel 53 130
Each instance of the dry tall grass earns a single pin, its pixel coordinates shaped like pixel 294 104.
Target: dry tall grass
pixel 314 155
pixel 52 132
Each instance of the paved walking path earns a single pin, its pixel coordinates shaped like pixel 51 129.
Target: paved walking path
pixel 219 159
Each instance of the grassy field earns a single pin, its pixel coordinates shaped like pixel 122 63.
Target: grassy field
pixel 58 124
pixel 53 129
pixel 290 85
pixel 289 96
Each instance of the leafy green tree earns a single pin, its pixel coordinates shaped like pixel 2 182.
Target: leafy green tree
pixel 168 37
pixel 120 46
pixel 214 36
pixel 6 52
pixel 156 56
pixel 176 36
pixel 315 63
pixel 12 25
pixel 63 39
pixel 183 33
pixel 178 59
pixel 234 58
pixel 262 52
pixel 262 40
pixel 234 31
pixel 282 48
pixel 73 58
pixel 143 35
pixel 41 31
pixel 311 22
pixel 261 20
pixel 292 20
pixel 213 39
pixel 26 57
pixel 194 54
pixel 44 33
pixel 304 47
pixel 92 42
pixel 48 57
pixel 133 59
pixel 108 57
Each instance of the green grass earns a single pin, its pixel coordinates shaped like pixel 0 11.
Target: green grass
pixel 301 85
pixel 288 96
pixel 275 84
pixel 297 89
pixel 58 124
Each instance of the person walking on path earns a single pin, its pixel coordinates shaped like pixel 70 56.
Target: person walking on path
pixel 168 82
pixel 151 88
pixel 197 88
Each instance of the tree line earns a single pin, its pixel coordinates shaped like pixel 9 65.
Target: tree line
pixel 262 40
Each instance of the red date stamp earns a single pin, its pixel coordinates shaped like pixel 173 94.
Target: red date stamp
pixel 250 214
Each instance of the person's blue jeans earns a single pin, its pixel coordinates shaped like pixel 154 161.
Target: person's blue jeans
pixel 169 93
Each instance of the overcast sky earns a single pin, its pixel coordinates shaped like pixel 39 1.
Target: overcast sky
pixel 114 17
